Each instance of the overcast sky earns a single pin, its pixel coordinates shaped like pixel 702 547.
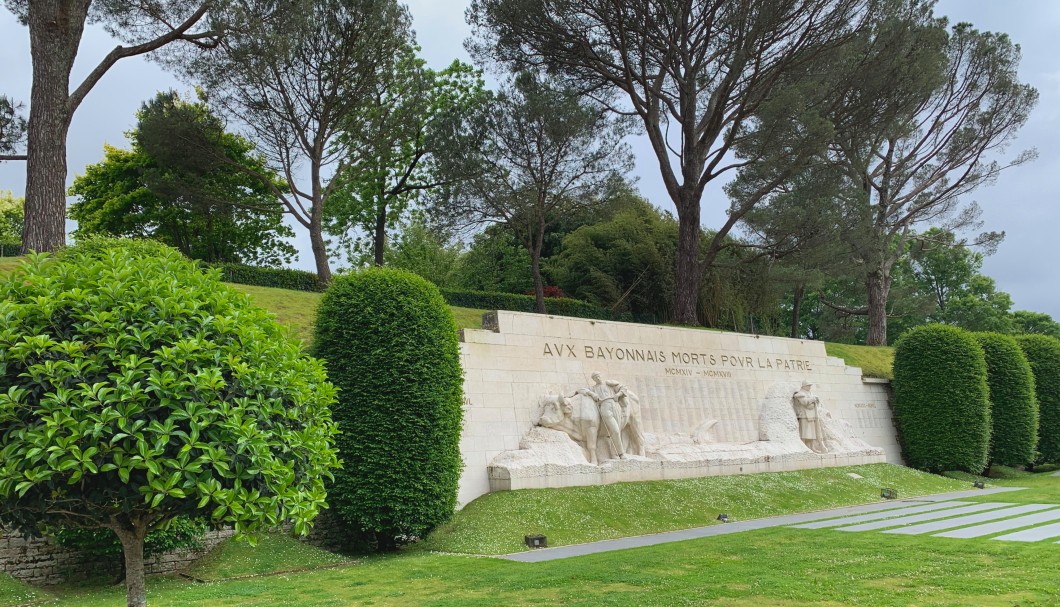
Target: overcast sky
pixel 1022 203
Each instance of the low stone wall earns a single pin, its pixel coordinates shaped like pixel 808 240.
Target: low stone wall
pixel 41 561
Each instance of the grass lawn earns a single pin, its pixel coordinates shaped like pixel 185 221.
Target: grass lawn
pixel 274 553
pixel 14 592
pixel 496 523
pixel 770 567
pixel 875 361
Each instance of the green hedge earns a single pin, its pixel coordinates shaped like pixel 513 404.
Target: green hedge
pixel 1013 407
pixel 559 306
pixel 390 345
pixel 280 278
pixel 10 249
pixel 1043 352
pixel 941 399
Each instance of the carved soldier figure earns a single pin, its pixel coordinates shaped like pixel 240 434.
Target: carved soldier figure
pixel 612 416
pixel 807 410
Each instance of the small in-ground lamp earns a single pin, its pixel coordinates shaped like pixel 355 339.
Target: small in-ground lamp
pixel 979 485
pixel 888 493
pixel 535 541
pixel 724 518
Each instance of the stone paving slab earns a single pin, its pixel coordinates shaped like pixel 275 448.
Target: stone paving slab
pixel 928 516
pixel 850 520
pixel 1005 525
pixel 1034 534
pixel 562 552
pixel 971 519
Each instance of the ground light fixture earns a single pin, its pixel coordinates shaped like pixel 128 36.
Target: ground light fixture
pixel 889 494
pixel 724 518
pixel 535 541
pixel 979 485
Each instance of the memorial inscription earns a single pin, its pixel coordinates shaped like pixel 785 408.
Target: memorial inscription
pixel 675 357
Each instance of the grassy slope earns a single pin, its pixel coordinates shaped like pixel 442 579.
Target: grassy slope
pixel 777 567
pixel 875 361
pixel 495 523
pixel 273 554
pixel 15 592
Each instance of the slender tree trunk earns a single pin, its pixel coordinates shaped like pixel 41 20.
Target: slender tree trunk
pixel 320 253
pixel 55 29
pixel 132 545
pixel 689 270
pixel 796 309
pixel 535 266
pixel 878 285
pixel 379 239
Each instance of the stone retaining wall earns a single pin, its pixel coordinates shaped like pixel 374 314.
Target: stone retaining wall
pixel 41 561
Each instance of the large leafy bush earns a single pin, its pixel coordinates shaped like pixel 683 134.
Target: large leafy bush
pixel 134 389
pixel 390 345
pixel 1013 407
pixel 1043 352
pixel 941 399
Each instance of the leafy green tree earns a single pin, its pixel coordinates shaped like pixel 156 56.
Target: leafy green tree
pixel 545 152
pixel 426 253
pixel 205 204
pixel 390 344
pixel 295 82
pixel 12 129
pixel 12 215
pixel 55 31
pixel 411 116
pixel 1035 322
pixel 134 389
pixel 914 168
pixel 698 76
pixel 495 261
pixel 624 264
pixel 1013 406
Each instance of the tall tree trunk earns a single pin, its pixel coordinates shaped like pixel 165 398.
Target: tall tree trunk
pixel 132 545
pixel 55 29
pixel 535 266
pixel 379 239
pixel 689 269
pixel 320 252
pixel 796 309
pixel 878 285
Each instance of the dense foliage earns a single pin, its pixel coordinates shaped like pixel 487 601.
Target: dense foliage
pixel 1013 406
pixel 177 534
pixel 523 303
pixel 941 399
pixel 390 344
pixel 134 388
pixel 186 182
pixel 1043 352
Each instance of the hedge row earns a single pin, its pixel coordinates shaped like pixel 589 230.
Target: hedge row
pixel 280 278
pixel 10 249
pixel 300 280
pixel 1043 352
pixel 1013 407
pixel 523 303
pixel 941 399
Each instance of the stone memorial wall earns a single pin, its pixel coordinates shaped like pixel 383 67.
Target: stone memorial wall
pixel 553 401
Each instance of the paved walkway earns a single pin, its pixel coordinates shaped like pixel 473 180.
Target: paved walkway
pixel 563 552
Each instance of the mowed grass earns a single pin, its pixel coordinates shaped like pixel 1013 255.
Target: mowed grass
pixel 16 592
pixel 496 523
pixel 1042 488
pixel 776 567
pixel 875 361
pixel 274 553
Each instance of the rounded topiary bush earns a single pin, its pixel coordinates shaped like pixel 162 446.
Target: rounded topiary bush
pixel 390 345
pixel 1013 407
pixel 1043 352
pixel 941 399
